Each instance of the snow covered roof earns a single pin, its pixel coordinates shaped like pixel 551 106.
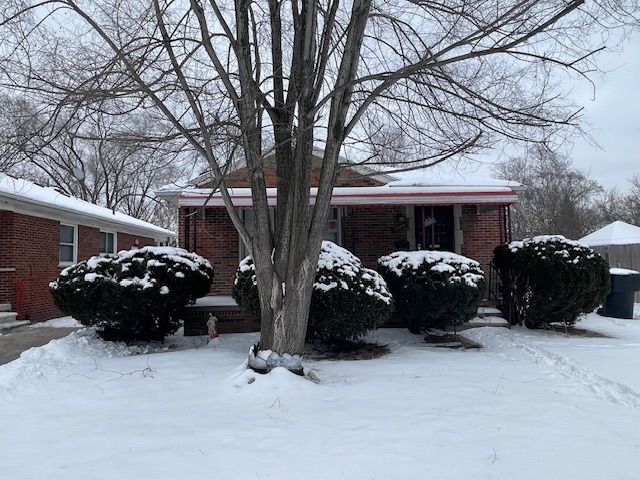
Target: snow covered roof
pixel 432 177
pixel 428 186
pixel 31 199
pixel 351 196
pixel 616 233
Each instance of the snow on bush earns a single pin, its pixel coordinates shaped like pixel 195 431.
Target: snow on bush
pixel 433 289
pixel 550 279
pixel 134 295
pixel 348 300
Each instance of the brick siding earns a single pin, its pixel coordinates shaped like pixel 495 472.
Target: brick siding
pixel 368 231
pixel 127 241
pixel 30 245
pixel 482 233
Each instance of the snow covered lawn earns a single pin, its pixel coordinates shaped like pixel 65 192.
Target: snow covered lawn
pixel 531 405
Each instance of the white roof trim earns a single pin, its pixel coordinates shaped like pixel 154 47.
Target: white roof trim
pixel 351 196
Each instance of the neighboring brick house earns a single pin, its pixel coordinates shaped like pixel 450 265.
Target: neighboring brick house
pixel 372 215
pixel 42 231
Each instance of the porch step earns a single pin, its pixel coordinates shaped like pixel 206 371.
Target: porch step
pixel 8 317
pixel 5 307
pixel 489 311
pixel 7 327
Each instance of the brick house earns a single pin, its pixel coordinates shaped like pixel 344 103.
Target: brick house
pixel 42 231
pixel 372 215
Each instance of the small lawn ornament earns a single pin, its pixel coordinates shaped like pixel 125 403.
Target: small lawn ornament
pixel 212 327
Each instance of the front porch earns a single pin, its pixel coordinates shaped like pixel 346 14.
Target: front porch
pixel 232 319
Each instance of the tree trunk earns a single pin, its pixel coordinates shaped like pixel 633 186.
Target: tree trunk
pixel 285 304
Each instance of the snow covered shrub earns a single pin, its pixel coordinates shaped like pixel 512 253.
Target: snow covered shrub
pixel 433 289
pixel 550 279
pixel 348 300
pixel 134 295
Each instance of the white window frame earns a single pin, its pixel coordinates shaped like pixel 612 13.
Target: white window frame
pixel 339 213
pixel 75 244
pixel 115 242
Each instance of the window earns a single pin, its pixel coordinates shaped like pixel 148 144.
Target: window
pixel 249 219
pixel 107 243
pixel 332 231
pixel 68 243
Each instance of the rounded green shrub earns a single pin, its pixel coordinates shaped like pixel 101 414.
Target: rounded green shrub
pixel 348 300
pixel 433 289
pixel 134 295
pixel 550 279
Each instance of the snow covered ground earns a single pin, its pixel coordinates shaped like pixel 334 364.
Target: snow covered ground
pixel 531 405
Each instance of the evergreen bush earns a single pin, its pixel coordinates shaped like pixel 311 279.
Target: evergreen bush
pixel 433 289
pixel 550 279
pixel 134 295
pixel 348 300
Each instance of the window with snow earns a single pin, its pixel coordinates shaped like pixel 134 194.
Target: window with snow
pixel 107 243
pixel 68 244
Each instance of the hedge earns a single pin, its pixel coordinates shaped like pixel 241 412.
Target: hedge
pixel 134 295
pixel 551 279
pixel 348 300
pixel 433 289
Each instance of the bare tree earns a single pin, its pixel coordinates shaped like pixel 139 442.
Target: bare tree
pixel 618 205
pixel 559 198
pixel 452 76
pixel 87 156
pixel 632 202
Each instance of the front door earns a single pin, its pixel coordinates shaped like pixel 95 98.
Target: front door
pixel 434 228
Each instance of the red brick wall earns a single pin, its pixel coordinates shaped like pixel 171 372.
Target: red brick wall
pixel 127 241
pixel 88 242
pixel 215 238
pixel 347 177
pixel 33 243
pixel 481 233
pixel 7 277
pixel 368 231
pixel 30 246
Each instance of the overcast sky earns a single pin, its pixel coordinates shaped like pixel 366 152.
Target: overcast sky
pixel 613 118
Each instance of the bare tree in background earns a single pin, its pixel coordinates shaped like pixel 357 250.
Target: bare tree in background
pixel 86 156
pixel 280 76
pixel 559 198
pixel 618 205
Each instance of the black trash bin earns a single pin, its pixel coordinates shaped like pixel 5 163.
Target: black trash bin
pixel 624 285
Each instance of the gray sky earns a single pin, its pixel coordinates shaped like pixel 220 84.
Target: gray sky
pixel 612 119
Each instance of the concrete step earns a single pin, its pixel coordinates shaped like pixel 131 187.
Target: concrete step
pixel 5 307
pixel 7 317
pixel 8 327
pixel 489 311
